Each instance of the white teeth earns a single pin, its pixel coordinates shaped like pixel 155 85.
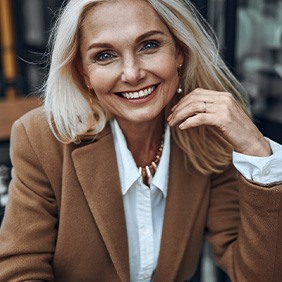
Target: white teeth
pixel 139 94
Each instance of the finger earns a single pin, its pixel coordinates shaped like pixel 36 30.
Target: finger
pixel 219 115
pixel 192 108
pixel 197 120
pixel 199 100
pixel 189 109
pixel 203 95
pixel 199 92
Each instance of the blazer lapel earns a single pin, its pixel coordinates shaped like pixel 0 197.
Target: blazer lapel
pixel 97 172
pixel 183 200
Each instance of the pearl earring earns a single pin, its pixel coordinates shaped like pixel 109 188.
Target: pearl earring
pixel 179 90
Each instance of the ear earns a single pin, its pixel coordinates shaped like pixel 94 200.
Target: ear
pixel 179 57
pixel 86 80
pixel 83 73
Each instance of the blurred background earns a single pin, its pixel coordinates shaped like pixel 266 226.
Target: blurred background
pixel 250 39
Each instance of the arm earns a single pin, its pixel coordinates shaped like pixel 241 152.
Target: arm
pixel 28 231
pixel 244 227
pixel 265 170
pixel 244 221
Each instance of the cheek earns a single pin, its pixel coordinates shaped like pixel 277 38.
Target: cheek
pixel 102 81
pixel 170 78
pixel 106 101
pixel 166 67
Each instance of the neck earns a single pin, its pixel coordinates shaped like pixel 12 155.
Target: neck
pixel 143 139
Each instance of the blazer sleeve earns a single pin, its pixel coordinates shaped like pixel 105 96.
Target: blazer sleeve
pixel 245 227
pixel 29 229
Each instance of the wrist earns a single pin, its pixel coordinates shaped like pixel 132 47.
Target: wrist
pixel 260 148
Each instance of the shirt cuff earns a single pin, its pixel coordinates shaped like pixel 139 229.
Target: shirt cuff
pixel 263 170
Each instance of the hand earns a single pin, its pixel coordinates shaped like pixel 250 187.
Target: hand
pixel 221 110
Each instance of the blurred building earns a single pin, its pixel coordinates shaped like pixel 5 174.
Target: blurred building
pixel 250 40
pixel 24 30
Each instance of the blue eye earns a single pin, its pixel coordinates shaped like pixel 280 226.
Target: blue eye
pixel 150 45
pixel 101 57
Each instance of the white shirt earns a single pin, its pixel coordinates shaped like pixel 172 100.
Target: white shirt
pixel 144 207
pixel 264 170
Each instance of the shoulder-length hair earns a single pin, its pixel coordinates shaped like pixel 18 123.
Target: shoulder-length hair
pixel 70 114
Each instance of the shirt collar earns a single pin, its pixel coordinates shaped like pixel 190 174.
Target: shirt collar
pixel 128 170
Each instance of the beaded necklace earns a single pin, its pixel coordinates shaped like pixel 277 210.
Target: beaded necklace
pixel 147 172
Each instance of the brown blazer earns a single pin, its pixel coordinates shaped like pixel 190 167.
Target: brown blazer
pixel 65 219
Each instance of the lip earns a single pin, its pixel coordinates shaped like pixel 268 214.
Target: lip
pixel 142 99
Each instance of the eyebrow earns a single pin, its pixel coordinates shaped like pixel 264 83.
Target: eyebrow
pixel 138 39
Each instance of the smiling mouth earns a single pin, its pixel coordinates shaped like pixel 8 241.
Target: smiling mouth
pixel 141 94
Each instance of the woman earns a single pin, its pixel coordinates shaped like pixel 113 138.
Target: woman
pixel 128 165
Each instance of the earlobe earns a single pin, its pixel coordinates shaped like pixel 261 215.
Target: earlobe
pixel 86 80
pixel 179 70
pixel 179 89
pixel 179 56
pixel 83 74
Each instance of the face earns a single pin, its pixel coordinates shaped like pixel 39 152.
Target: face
pixel 130 59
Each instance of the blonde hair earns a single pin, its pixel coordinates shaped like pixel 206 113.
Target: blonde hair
pixel 66 104
pixel 69 113
pixel 203 67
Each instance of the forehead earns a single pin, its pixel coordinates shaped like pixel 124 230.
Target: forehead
pixel 120 17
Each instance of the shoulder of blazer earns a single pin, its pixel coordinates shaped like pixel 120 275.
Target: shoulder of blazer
pixel 32 133
pixel 34 129
pixel 36 125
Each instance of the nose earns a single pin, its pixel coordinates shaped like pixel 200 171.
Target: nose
pixel 132 71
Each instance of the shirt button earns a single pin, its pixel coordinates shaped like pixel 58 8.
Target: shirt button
pixel 145 276
pixel 266 172
pixel 146 231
